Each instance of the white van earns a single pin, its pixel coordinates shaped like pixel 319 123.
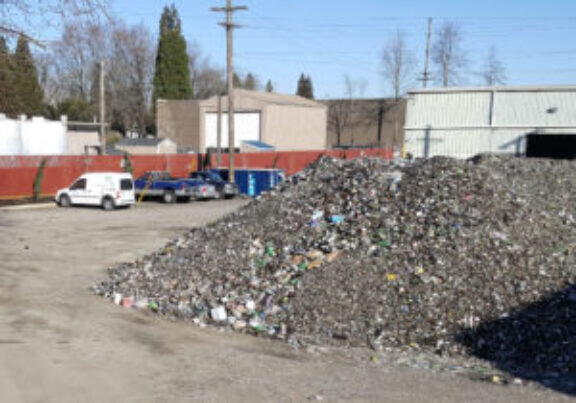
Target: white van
pixel 106 189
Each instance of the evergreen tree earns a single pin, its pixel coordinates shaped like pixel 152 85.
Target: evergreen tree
pixel 309 88
pixel 237 81
pixel 8 94
pixel 30 93
pixel 305 88
pixel 269 87
pixel 76 109
pixel 172 75
pixel 300 89
pixel 250 83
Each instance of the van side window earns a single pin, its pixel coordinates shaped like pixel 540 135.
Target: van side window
pixel 126 184
pixel 80 184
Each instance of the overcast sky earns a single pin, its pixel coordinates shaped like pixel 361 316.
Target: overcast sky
pixel 329 39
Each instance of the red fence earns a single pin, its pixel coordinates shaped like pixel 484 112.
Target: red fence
pixel 17 173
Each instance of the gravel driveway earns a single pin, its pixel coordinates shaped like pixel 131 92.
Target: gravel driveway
pixel 61 343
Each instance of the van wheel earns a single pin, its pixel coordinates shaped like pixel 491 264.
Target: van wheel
pixel 64 201
pixel 169 196
pixel 108 204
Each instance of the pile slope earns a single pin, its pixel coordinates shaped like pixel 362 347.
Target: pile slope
pixel 374 253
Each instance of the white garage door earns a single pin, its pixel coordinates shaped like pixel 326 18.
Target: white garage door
pixel 246 127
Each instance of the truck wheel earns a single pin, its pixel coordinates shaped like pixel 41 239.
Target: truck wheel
pixel 64 201
pixel 108 204
pixel 169 196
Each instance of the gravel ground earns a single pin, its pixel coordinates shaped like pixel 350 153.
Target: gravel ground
pixel 71 346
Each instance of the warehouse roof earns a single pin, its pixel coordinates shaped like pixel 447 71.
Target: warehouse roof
pixel 267 98
pixel 526 88
pixel 258 145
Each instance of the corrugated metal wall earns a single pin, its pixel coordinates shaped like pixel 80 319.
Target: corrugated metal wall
pixel 448 110
pixel 463 123
pixel 463 143
pixel 537 109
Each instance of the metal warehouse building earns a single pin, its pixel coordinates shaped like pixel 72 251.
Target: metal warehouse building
pixel 462 122
pixel 284 122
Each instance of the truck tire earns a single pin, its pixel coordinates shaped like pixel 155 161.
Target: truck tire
pixel 169 196
pixel 108 204
pixel 64 201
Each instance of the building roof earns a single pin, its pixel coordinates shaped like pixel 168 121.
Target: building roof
pixel 111 150
pixel 140 142
pixel 258 145
pixel 526 88
pixel 268 98
pixel 83 126
pixel 362 100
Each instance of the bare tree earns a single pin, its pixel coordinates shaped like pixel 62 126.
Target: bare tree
pixel 344 114
pixel 68 65
pixel 447 53
pixel 355 89
pixel 207 80
pixel 22 17
pixel 494 72
pixel 130 75
pixel 68 70
pixel 399 63
pixel 338 118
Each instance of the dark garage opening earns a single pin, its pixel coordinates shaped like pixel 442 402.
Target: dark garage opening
pixel 559 146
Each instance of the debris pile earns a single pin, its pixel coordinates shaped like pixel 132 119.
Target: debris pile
pixel 373 253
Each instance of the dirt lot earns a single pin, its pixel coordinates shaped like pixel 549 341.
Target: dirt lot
pixel 61 343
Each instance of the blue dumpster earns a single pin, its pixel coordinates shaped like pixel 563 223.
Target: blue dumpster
pixel 252 182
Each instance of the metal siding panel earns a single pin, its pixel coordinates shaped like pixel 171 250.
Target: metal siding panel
pixel 532 109
pixel 464 143
pixel 445 110
pixel 449 143
pixel 508 141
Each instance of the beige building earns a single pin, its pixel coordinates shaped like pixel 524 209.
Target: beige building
pixel 284 122
pixel 82 138
pixel 365 122
pixel 147 146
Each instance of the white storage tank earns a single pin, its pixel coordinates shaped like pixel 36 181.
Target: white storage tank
pixel 35 136
pixel 10 143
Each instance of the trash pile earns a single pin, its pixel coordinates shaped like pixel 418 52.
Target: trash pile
pixel 373 253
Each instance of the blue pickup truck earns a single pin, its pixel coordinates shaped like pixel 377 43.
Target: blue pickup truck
pixel 224 189
pixel 160 184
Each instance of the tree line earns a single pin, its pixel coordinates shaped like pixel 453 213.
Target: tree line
pixel 63 79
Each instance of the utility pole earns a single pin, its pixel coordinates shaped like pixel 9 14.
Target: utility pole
pixel 102 110
pixel 219 131
pixel 229 25
pixel 426 75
